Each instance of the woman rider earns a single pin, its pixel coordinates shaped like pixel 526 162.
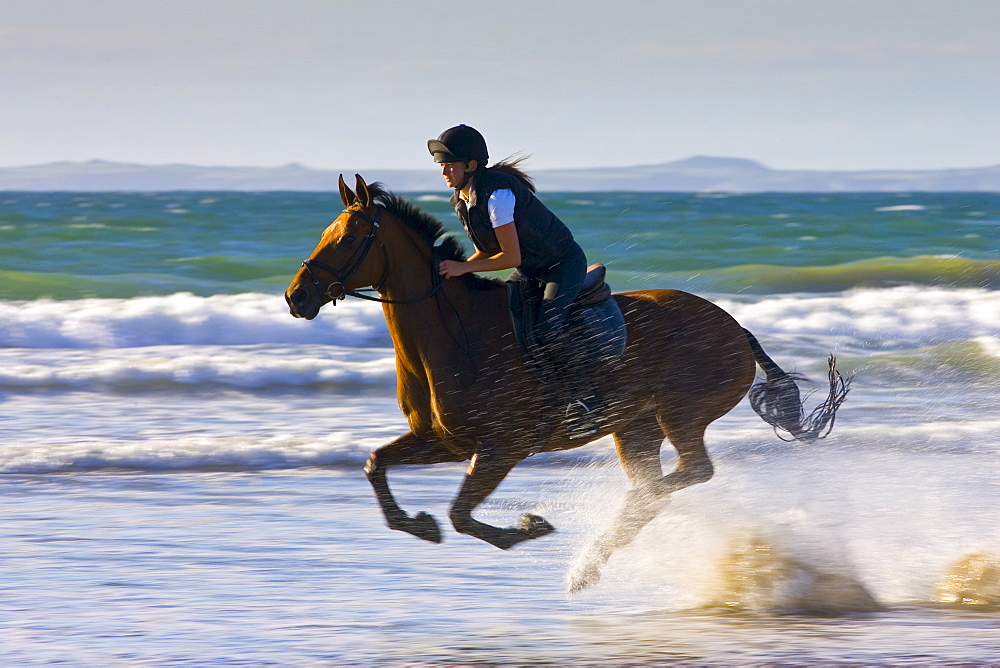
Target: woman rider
pixel 512 229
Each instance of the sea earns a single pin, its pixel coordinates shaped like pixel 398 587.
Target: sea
pixel 181 460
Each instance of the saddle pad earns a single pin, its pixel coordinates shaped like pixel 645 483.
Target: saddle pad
pixel 597 325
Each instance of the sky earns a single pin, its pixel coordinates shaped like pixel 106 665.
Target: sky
pixel 332 84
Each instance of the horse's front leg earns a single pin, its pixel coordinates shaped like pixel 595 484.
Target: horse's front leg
pixel 487 469
pixel 407 449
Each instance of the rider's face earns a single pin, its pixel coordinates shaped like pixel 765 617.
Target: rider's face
pixel 454 173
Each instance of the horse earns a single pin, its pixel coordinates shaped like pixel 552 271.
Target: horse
pixel 467 394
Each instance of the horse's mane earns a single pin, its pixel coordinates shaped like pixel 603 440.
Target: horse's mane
pixel 430 229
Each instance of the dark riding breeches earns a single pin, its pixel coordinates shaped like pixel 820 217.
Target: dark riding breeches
pixel 560 285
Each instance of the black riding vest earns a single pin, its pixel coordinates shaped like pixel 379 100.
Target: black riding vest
pixel 543 238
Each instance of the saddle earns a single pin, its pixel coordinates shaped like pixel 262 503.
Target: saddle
pixel 595 325
pixel 595 290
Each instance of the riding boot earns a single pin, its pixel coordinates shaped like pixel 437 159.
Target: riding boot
pixel 583 408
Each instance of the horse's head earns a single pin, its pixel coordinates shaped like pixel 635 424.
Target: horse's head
pixel 342 261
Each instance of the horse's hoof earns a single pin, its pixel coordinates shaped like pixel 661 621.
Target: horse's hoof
pixel 584 577
pixel 426 527
pixel 535 526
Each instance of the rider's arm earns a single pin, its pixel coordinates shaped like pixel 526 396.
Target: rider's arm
pixel 501 209
pixel 509 256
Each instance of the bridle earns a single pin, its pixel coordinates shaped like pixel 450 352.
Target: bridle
pixel 354 263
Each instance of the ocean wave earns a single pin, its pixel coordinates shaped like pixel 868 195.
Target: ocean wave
pixel 928 270
pixel 880 317
pixel 432 198
pixel 255 368
pixel 266 368
pixel 158 455
pixel 184 319
pixel 901 207
pixel 885 318
pixel 348 448
pixel 960 361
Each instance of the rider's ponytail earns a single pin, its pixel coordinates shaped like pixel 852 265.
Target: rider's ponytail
pixel 509 165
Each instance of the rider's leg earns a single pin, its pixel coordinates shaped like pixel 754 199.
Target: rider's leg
pixel 562 284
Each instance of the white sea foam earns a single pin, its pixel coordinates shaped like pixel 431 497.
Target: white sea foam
pixel 249 434
pixel 232 453
pixel 902 207
pixel 908 315
pixel 989 344
pixel 184 319
pixel 244 367
pixel 904 315
pixel 73 429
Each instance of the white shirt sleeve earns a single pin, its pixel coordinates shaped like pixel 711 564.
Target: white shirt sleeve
pixel 501 207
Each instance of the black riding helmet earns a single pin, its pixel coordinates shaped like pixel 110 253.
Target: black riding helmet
pixel 459 144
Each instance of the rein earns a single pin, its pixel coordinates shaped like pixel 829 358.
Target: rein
pixel 354 263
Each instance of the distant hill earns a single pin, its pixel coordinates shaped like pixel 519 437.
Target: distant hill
pixel 695 174
pixel 706 174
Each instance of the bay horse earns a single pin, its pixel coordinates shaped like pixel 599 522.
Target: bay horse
pixel 467 394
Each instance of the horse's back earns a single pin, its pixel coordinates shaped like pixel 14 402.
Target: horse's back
pixel 672 312
pixel 689 344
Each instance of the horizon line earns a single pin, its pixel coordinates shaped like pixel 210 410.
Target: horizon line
pixel 299 165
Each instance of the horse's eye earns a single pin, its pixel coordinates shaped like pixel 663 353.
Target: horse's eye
pixel 348 240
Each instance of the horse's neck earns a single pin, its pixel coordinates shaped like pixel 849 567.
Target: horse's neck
pixel 420 326
pixel 443 330
pixel 409 278
pixel 438 333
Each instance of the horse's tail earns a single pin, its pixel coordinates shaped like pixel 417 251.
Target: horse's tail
pixel 776 399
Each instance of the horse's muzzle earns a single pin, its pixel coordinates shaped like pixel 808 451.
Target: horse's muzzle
pixel 300 305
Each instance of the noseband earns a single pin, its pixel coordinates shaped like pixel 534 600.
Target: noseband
pixel 354 263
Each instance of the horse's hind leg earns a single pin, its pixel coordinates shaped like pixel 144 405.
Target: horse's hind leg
pixel 407 449
pixel 487 469
pixel 639 451
pixel 693 463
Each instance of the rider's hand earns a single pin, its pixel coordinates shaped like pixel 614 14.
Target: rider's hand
pixel 452 268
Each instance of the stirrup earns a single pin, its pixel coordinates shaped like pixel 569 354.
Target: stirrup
pixel 580 421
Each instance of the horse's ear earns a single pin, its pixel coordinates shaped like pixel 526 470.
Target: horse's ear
pixel 346 196
pixel 364 197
